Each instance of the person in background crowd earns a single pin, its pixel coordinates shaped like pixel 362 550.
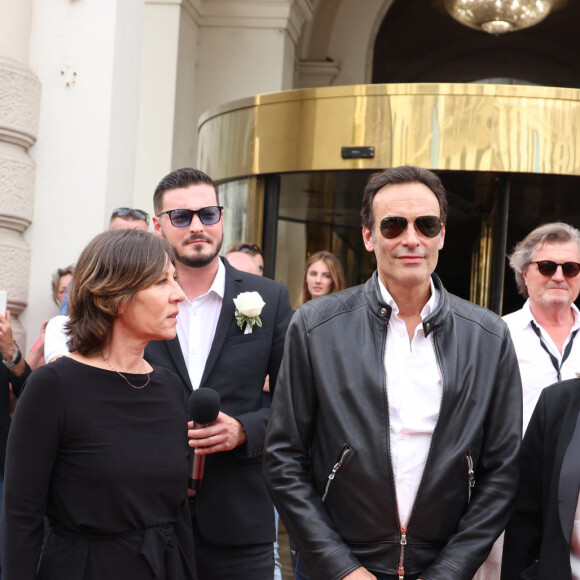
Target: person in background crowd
pixel 220 345
pixel 392 445
pixel 243 262
pixel 546 264
pixel 14 371
pixel 60 281
pixel 251 249
pixel 323 274
pixel 98 442
pixel 127 218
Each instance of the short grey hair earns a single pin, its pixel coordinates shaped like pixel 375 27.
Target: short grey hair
pixel 552 233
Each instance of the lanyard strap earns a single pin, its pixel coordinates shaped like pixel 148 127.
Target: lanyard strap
pixel 552 357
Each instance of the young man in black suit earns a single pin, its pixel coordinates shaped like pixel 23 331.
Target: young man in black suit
pixel 233 516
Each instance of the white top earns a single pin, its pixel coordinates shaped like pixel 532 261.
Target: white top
pixel 535 365
pixel 196 325
pixel 415 388
pixel 55 338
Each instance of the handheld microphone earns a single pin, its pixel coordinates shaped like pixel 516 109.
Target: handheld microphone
pixel 204 407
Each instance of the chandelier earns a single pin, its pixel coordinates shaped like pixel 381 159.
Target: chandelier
pixel 499 16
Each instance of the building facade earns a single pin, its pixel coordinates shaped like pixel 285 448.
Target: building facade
pixel 99 100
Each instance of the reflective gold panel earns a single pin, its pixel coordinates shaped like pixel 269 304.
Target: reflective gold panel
pixel 438 126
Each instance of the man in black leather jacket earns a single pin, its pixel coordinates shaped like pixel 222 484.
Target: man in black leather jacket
pixel 396 423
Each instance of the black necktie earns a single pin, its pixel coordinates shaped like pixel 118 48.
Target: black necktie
pixel 552 357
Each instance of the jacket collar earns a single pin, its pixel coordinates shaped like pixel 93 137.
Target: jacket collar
pixel 383 311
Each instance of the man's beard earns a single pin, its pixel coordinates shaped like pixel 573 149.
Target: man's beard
pixel 199 260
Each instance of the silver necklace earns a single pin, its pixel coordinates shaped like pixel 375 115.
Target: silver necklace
pixel 126 379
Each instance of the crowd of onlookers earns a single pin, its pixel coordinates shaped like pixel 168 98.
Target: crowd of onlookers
pixel 383 421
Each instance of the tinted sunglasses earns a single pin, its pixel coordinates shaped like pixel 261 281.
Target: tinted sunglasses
pixel 181 218
pixel 548 268
pixel 137 214
pixel 428 225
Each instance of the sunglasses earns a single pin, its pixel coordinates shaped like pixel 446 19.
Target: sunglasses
pixel 427 225
pixel 181 218
pixel 137 214
pixel 548 268
pixel 249 248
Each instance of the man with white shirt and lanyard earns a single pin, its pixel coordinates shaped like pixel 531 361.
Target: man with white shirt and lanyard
pixel 392 446
pixel 546 264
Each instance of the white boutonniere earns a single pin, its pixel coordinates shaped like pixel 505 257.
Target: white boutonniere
pixel 248 309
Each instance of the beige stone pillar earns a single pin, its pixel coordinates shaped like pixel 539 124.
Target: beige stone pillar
pixel 19 108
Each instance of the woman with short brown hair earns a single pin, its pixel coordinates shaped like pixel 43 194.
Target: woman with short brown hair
pixel 98 443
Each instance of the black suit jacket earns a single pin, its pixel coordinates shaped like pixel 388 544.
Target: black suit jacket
pixel 233 506
pixel 537 542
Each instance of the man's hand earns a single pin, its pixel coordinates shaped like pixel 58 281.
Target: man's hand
pixel 224 434
pixel 360 574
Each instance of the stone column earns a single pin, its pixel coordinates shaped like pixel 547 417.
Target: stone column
pixel 19 109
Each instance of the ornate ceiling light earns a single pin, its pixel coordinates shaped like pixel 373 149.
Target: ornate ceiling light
pixel 499 16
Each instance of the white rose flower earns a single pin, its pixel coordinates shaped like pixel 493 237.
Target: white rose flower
pixel 249 304
pixel 248 309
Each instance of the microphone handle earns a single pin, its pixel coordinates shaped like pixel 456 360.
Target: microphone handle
pixel 196 464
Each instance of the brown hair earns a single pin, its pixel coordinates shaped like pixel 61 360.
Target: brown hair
pixel 398 176
pixel 111 269
pixel 180 179
pixel 336 273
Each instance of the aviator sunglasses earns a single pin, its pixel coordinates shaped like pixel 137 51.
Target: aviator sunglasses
pixel 181 218
pixel 393 226
pixel 548 268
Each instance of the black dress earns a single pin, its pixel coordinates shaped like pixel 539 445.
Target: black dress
pixel 108 465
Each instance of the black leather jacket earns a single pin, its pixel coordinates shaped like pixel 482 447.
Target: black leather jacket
pixel 327 461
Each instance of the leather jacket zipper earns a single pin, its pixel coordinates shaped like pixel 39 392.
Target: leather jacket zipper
pixel 470 475
pixel 344 453
pixel 401 568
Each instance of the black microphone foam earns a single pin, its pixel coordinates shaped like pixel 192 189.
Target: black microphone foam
pixel 204 408
pixel 204 405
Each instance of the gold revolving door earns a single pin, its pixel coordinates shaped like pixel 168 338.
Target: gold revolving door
pixel 292 167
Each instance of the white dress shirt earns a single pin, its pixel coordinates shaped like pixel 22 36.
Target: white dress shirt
pixel 414 388
pixel 197 323
pixel 535 365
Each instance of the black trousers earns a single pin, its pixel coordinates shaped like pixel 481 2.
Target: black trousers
pixel 218 562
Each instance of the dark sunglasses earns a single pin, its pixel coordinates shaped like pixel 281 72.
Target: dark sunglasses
pixel 427 225
pixel 137 214
pixel 548 268
pixel 181 218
